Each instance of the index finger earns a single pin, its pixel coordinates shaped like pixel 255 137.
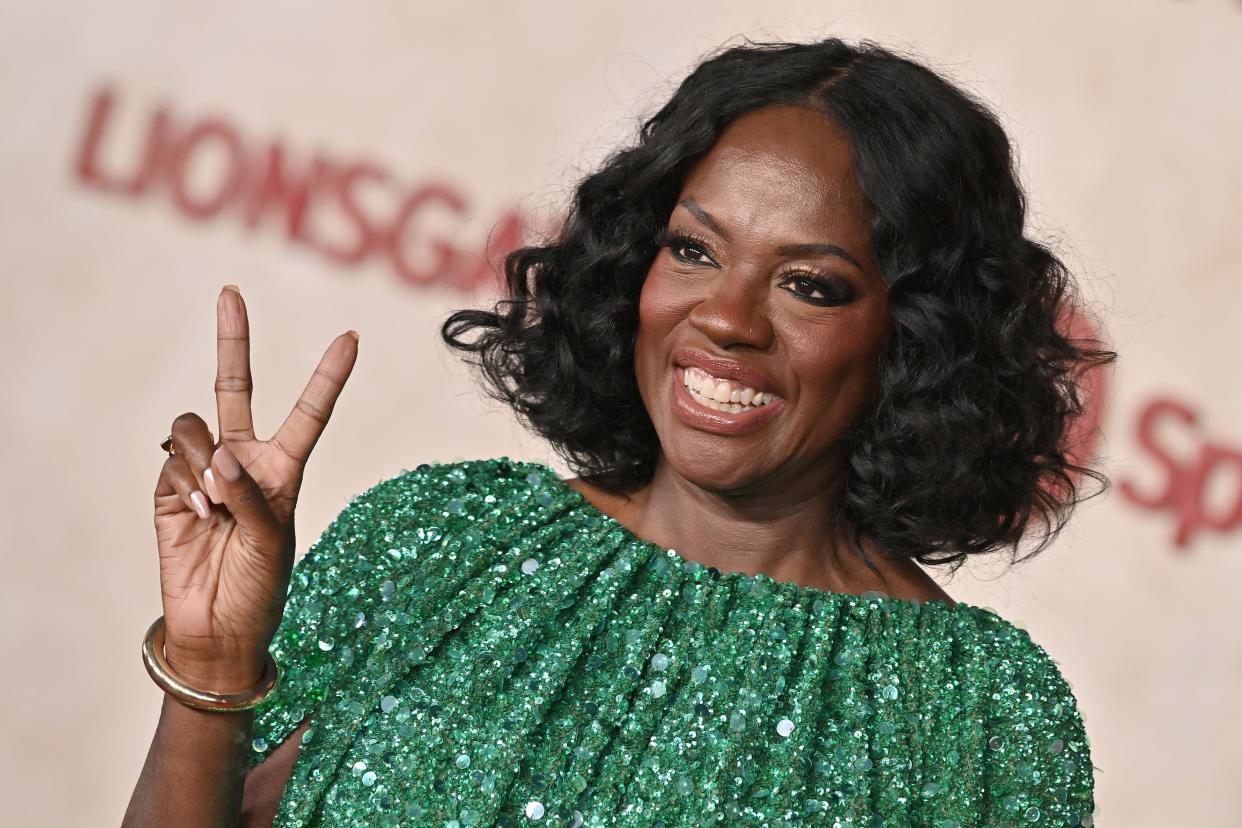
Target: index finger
pixel 233 382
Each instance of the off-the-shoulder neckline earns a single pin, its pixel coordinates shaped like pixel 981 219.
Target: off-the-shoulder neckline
pixel 727 578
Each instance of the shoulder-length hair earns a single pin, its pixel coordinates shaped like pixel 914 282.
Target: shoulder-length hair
pixel 965 450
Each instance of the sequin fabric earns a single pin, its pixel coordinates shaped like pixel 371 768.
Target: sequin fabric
pixel 478 645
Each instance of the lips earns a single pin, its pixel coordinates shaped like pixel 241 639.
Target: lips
pixel 729 423
pixel 723 369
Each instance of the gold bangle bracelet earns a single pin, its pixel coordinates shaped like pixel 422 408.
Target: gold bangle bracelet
pixel 170 683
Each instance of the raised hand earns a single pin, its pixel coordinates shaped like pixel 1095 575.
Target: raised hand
pixel 224 512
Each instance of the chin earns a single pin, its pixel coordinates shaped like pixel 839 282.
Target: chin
pixel 709 463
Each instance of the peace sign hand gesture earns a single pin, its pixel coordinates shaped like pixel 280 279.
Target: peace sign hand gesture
pixel 224 512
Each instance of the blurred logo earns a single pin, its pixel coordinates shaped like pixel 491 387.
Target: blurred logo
pixel 347 211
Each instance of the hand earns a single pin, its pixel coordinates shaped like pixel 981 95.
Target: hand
pixel 224 512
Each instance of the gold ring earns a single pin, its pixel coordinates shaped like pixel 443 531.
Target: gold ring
pixel 167 445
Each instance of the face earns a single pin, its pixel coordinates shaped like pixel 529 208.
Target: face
pixel 763 316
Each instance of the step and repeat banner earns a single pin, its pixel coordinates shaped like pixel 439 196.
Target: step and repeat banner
pixel 364 166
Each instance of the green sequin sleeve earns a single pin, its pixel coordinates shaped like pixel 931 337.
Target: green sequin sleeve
pixel 477 645
pixel 311 643
pixel 1040 771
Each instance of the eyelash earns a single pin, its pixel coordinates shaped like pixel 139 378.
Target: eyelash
pixel 830 287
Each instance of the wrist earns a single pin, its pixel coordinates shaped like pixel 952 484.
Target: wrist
pixel 220 683
pixel 220 665
pixel 223 675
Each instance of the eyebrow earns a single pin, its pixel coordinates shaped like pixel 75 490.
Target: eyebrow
pixel 808 249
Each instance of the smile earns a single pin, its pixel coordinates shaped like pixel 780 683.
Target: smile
pixel 725 396
pixel 706 403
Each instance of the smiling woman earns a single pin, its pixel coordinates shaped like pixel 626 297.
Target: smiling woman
pixel 795 343
pixel 771 297
pixel 846 224
pixel 798 331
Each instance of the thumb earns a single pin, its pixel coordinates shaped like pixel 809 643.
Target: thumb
pixel 242 495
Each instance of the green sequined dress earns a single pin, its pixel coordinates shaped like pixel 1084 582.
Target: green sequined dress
pixel 478 645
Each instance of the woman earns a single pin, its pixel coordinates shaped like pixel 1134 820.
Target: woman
pixel 794 342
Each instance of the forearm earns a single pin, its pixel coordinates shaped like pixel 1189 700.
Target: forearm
pixel 194 772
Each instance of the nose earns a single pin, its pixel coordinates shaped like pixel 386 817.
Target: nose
pixel 735 312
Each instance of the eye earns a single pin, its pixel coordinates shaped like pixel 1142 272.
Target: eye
pixel 685 247
pixel 818 290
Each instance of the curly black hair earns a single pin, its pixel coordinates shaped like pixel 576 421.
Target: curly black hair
pixel 965 450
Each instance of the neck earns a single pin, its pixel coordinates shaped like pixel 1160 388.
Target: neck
pixel 788 529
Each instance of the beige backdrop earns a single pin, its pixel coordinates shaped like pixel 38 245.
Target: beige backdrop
pixel 1128 121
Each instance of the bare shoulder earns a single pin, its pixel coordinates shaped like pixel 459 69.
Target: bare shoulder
pixel 905 579
pixel 619 507
pixel 925 587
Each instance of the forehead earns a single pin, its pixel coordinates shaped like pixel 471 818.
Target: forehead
pixel 782 163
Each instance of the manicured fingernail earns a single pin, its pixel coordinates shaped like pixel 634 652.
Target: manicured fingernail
pixel 209 483
pixel 224 460
pixel 354 334
pixel 233 288
pixel 200 504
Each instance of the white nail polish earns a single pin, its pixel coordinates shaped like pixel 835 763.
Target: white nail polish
pixel 200 503
pixel 209 483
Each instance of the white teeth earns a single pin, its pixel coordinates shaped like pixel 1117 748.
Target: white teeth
pixel 723 395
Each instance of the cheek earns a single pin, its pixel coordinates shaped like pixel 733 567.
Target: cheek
pixel 841 361
pixel 660 305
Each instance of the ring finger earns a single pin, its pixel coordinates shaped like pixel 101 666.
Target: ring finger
pixel 177 473
pixel 193 441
